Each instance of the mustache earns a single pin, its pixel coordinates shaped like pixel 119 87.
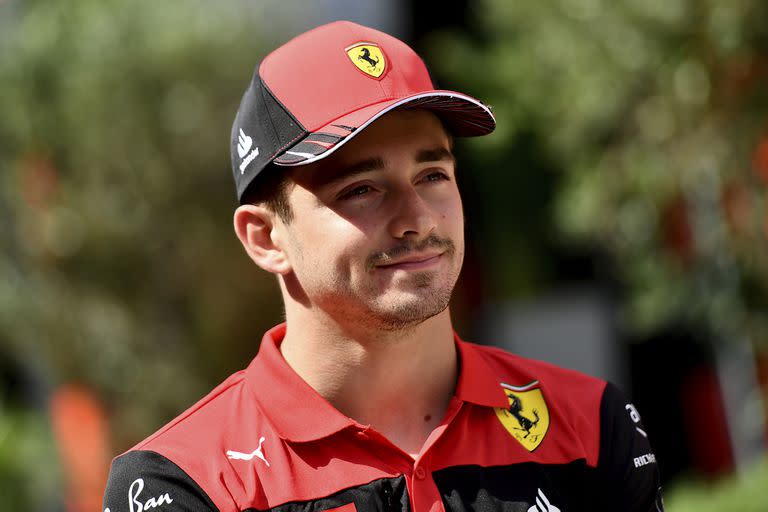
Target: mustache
pixel 431 242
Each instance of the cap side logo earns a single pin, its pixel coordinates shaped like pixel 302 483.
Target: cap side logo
pixel 527 417
pixel 244 143
pixel 368 58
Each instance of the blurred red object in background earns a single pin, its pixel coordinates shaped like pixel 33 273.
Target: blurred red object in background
pixel 81 433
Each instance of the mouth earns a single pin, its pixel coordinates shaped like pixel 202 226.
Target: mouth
pixel 413 262
pixel 412 255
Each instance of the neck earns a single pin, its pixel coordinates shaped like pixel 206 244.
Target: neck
pixel 399 382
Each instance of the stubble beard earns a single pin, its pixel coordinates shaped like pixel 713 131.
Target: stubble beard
pixel 429 300
pixel 369 307
pixel 410 313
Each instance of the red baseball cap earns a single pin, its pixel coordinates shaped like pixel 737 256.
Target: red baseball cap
pixel 316 92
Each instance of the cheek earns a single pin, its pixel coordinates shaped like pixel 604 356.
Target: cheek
pixel 453 222
pixel 452 214
pixel 328 246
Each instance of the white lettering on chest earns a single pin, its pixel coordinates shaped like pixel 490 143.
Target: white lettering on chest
pixel 135 504
pixel 642 460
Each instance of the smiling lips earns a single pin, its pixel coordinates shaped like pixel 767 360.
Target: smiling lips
pixel 413 262
pixel 412 254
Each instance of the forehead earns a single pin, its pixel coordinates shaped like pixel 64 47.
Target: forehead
pixel 398 136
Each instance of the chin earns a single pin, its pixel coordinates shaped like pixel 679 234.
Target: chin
pixel 411 312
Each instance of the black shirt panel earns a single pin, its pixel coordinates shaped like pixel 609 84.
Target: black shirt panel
pixel 383 495
pixel 626 464
pixel 515 488
pixel 144 480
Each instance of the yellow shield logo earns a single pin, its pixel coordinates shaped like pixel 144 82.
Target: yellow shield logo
pixel 527 417
pixel 368 58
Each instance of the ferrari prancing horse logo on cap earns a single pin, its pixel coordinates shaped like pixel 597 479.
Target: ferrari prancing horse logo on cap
pixel 368 58
pixel 527 417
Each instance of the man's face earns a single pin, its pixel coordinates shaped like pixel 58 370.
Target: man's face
pixel 377 232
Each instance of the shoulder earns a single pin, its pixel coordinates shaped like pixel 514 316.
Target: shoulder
pixel 555 380
pixel 188 456
pixel 201 424
pixel 568 401
pixel 595 414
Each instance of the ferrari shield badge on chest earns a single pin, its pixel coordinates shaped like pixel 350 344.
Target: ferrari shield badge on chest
pixel 368 58
pixel 527 417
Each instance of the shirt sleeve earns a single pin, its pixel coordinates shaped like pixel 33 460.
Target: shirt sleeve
pixel 139 481
pixel 627 468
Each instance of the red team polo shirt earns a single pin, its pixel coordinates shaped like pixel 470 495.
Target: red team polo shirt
pixel 519 435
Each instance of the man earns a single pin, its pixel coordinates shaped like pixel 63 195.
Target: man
pixel 365 399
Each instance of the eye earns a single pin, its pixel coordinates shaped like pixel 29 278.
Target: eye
pixel 354 192
pixel 437 176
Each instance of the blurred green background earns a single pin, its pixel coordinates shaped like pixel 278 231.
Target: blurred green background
pixel 631 151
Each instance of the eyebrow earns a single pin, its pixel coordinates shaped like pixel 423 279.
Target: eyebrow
pixel 367 165
pixel 437 154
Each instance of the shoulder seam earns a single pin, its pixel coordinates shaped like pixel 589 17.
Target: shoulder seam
pixel 191 410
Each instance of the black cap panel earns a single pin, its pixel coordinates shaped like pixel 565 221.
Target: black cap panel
pixel 262 129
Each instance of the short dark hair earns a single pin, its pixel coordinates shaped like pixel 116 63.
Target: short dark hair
pixel 270 189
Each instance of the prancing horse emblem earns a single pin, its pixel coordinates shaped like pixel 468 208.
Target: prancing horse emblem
pixel 368 58
pixel 527 417
pixel 365 54
pixel 516 408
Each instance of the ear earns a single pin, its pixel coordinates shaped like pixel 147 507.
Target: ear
pixel 255 227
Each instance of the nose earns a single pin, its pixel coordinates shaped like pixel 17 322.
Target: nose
pixel 411 216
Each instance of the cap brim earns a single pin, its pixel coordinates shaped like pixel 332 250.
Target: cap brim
pixel 463 115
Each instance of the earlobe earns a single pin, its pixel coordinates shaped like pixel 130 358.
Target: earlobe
pixel 255 228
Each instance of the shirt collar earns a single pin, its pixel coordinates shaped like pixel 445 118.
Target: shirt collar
pixel 478 382
pixel 294 408
pixel 300 414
